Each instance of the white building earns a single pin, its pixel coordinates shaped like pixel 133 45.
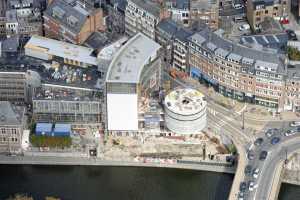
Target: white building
pixel 47 49
pixel 132 75
pixel 185 111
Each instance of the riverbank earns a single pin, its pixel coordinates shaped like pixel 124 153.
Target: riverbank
pixel 43 160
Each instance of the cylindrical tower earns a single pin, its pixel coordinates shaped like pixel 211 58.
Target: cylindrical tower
pixel 185 111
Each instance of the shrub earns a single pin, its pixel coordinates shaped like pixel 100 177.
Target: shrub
pixel 50 141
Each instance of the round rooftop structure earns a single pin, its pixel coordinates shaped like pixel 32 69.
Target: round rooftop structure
pixel 185 111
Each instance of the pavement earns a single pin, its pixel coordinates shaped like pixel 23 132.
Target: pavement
pixel 50 160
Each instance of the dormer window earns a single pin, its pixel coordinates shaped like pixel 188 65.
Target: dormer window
pixel 58 12
pixel 72 20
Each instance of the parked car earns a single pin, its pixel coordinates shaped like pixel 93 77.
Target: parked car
pixel 258 141
pixel 256 172
pixel 244 27
pixel 275 140
pixel 291 34
pixel 241 196
pixel 248 169
pixel 295 123
pixel 243 186
pixel 263 155
pixel 272 131
pixel 290 132
pixel 251 186
pixel 250 155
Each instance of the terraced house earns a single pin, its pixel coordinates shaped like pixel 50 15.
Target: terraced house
pixel 237 71
pixel 73 21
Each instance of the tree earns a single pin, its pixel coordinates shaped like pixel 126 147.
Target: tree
pixel 293 53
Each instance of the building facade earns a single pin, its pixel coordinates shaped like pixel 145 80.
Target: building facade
pixel 55 103
pixel 23 19
pixel 12 124
pixel 237 71
pixel 206 12
pixel 143 16
pixel 258 11
pixel 132 79
pixel 72 21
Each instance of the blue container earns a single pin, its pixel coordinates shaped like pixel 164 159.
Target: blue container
pixel 43 129
pixel 62 130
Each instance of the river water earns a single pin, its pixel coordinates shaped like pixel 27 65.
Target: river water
pixel 118 183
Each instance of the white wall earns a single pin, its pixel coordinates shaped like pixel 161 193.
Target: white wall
pixel 122 112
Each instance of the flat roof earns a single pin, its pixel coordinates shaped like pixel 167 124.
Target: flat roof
pixel 129 61
pixel 62 49
pixel 10 114
pixel 185 101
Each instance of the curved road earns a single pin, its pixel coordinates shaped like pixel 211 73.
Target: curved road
pixel 229 123
pixel 270 169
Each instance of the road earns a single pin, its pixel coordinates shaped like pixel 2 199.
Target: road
pixel 268 181
pixel 229 123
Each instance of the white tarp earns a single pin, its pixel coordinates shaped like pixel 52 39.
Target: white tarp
pixel 122 112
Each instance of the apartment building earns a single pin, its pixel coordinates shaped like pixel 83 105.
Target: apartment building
pixel 237 71
pixel 116 16
pixel 12 124
pixel 73 21
pixel 180 10
pixel 205 11
pixel 16 84
pixel 143 16
pixel 180 50
pixel 165 34
pixel 293 89
pixel 23 18
pixel 259 10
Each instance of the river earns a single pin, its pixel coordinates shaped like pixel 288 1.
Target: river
pixel 117 183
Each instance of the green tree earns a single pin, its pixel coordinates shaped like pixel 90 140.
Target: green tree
pixel 293 53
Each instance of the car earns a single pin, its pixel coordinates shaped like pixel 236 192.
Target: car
pixel 248 170
pixel 237 6
pixel 255 173
pixel 290 132
pixel 243 186
pixel 251 185
pixel 241 196
pixel 295 123
pixel 258 141
pixel 272 131
pixel 263 155
pixel 275 140
pixel 244 27
pixel 291 34
pixel 250 155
